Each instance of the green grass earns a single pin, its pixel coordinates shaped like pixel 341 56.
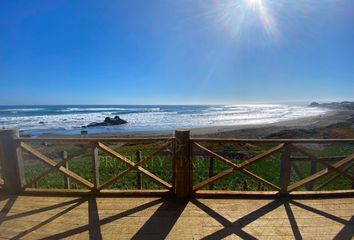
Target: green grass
pixel 162 167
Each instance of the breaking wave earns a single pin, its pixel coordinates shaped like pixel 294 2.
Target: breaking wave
pixel 70 119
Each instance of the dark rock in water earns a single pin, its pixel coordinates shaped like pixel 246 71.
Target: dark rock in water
pixel 41 122
pixel 108 121
pixel 114 121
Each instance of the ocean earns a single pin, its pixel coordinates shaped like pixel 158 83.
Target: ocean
pixel 69 119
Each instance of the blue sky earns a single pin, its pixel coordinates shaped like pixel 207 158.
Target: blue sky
pixel 176 52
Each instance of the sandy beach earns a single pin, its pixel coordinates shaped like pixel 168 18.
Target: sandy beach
pixel 264 130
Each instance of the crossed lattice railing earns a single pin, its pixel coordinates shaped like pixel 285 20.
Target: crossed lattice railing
pixel 86 146
pixel 183 170
pixel 341 167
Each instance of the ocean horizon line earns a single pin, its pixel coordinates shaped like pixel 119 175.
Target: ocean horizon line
pixel 185 104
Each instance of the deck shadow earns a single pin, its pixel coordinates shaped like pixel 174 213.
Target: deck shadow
pixel 43 209
pixel 7 207
pixel 52 218
pixel 94 220
pixel 292 221
pixel 236 226
pixel 346 232
pixel 159 225
pixel 319 212
pixel 95 223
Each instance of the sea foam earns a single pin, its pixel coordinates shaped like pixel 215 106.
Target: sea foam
pixel 70 119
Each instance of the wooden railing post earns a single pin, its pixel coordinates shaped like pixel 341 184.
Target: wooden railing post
pixel 139 182
pixel 285 167
pixel 11 165
pixel 183 164
pixel 66 178
pixel 95 166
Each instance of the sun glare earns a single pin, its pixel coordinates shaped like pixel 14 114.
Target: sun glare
pixel 267 20
pixel 254 3
pixel 237 15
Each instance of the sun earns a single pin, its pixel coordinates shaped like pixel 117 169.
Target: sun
pixel 267 20
pixel 240 17
pixel 254 3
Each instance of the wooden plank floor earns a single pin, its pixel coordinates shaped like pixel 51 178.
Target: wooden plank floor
pixel 29 217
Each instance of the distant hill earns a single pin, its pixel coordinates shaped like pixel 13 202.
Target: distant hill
pixel 334 105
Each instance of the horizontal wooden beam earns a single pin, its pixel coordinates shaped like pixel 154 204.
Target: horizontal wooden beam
pixel 155 139
pixel 235 140
pixel 91 139
pixel 103 193
pixel 199 194
pixel 213 194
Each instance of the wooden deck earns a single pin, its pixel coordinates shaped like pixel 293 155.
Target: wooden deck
pixel 30 217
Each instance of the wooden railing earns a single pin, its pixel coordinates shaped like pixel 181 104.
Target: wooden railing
pixel 184 151
pixel 285 147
